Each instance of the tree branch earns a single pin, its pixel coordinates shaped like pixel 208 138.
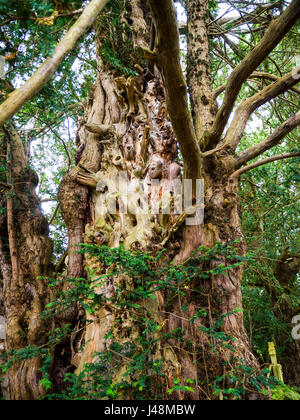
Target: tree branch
pixel 198 71
pixel 54 214
pixel 271 141
pixel 73 13
pixel 254 165
pixel 247 107
pixel 255 75
pixel 5 185
pixel 55 120
pixel 100 130
pixel 12 240
pixel 38 80
pixel 254 17
pixel 278 28
pixel 168 56
pixel 34 18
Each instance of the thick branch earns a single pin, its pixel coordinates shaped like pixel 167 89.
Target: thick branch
pixel 254 17
pixel 254 165
pixel 16 150
pixel 168 56
pixel 11 228
pixel 203 105
pixel 278 28
pixel 271 141
pixel 247 107
pixel 38 80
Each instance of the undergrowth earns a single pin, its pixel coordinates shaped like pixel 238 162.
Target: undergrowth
pixel 135 368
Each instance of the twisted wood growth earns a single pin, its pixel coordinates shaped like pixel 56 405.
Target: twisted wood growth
pixel 136 147
pixel 132 128
pixel 25 292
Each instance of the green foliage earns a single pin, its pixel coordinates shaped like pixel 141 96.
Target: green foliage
pixel 236 381
pixel 178 387
pixel 133 368
pixel 271 226
pixel 116 45
pixel 283 392
pixel 261 322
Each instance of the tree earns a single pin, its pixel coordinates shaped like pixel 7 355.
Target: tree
pixel 271 293
pixel 138 121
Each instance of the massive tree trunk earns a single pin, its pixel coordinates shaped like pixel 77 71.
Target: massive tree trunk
pixel 126 129
pixel 25 253
pixel 137 128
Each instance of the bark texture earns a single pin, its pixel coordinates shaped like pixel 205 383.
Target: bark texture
pixel 285 272
pixel 127 129
pixel 134 125
pixel 25 253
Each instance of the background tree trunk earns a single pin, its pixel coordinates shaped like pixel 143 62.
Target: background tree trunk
pixel 25 253
pixel 286 272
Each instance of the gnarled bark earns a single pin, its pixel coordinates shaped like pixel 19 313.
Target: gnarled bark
pixel 128 121
pixel 133 127
pixel 25 255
